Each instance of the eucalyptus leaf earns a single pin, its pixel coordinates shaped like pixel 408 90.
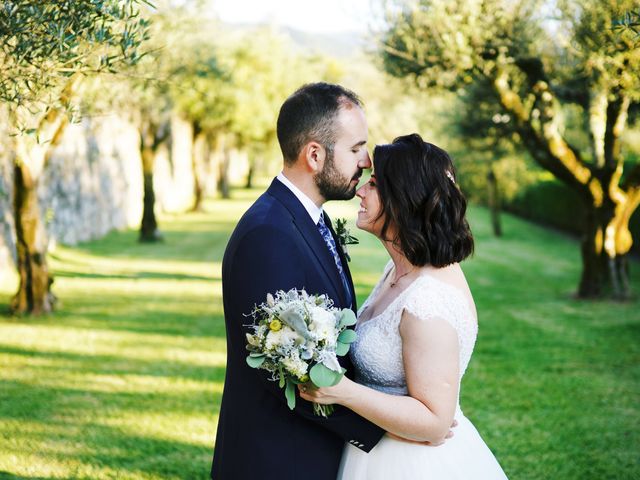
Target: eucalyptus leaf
pixel 338 378
pixel 292 317
pixel 281 375
pixel 348 318
pixel 322 376
pixel 255 362
pixel 342 349
pixel 347 336
pixel 290 394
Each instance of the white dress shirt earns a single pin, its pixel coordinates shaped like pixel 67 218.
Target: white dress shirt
pixel 314 211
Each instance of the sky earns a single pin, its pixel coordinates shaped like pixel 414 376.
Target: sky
pixel 314 16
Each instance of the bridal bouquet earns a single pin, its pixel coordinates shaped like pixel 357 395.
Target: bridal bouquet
pixel 298 337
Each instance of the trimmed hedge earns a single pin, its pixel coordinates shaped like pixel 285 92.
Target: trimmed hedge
pixel 552 203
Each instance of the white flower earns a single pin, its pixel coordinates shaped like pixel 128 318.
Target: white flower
pixel 320 316
pixel 273 340
pixel 295 365
pixel 282 340
pixel 291 337
pixel 323 324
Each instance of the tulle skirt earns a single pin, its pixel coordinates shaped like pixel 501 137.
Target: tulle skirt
pixel 463 457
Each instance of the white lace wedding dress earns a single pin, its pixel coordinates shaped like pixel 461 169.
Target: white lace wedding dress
pixel 377 356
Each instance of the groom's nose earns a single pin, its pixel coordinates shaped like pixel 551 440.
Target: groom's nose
pixel 365 162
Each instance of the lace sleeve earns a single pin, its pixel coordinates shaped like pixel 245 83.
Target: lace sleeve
pixel 433 299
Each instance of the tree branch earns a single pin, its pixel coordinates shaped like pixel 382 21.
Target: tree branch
pixel 617 111
pixel 546 144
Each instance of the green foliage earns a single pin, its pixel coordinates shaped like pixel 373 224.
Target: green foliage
pixel 630 20
pixel 342 348
pixel 347 336
pixel 552 203
pixel 45 42
pixel 290 394
pixel 260 64
pixel 255 360
pixel 466 45
pixel 488 142
pixel 322 376
pixel 348 318
pixel 448 44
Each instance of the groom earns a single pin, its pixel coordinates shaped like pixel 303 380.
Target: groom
pixel 285 241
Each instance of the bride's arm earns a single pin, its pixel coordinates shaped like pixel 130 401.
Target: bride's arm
pixel 430 356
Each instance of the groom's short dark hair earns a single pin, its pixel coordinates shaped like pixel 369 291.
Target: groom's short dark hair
pixel 309 114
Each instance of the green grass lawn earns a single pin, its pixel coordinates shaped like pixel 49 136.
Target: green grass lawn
pixel 124 381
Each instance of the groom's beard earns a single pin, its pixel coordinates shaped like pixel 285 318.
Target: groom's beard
pixel 332 185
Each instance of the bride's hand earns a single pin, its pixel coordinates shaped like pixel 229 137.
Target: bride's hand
pixel 428 444
pixel 326 395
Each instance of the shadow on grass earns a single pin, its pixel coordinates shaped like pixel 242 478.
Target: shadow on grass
pixel 116 365
pixel 123 453
pixel 135 276
pixel 125 431
pixel 206 245
pixel 11 476
pixel 176 315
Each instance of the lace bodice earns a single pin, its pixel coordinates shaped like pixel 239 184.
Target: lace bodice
pixel 377 352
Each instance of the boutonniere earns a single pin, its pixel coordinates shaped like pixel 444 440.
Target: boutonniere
pixel 344 236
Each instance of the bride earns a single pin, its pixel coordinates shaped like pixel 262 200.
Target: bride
pixel 417 329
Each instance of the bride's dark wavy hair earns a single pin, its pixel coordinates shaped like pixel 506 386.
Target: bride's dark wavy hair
pixel 425 206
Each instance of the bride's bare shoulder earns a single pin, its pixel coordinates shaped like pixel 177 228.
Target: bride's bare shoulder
pixel 454 276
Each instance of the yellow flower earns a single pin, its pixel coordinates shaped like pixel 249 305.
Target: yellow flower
pixel 275 325
pixel 304 378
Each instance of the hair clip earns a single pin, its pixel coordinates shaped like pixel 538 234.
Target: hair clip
pixel 450 175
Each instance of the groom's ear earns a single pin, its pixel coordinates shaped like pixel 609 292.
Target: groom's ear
pixel 313 156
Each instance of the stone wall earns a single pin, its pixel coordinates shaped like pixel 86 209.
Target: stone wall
pixel 93 182
pixel 7 232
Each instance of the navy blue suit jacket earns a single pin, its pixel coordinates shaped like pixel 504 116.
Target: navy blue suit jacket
pixel 276 246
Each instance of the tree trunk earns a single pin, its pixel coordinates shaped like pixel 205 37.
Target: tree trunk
pixel 605 247
pixel 152 135
pixel 31 155
pixel 494 202
pixel 34 293
pixel 250 173
pixel 149 226
pixel 594 267
pixel 223 175
pixel 200 156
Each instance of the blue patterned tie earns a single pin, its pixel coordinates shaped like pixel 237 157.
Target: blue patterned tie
pixel 331 244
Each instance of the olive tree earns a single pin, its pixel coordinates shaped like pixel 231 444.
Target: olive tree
pixel 46 47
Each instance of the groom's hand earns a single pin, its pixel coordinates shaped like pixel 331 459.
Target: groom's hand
pixel 428 444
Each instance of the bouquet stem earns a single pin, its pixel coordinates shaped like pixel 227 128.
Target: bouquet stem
pixel 322 410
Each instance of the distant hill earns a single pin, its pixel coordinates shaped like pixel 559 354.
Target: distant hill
pixel 340 45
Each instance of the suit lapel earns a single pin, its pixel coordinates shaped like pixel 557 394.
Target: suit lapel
pixel 311 235
pixel 343 259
